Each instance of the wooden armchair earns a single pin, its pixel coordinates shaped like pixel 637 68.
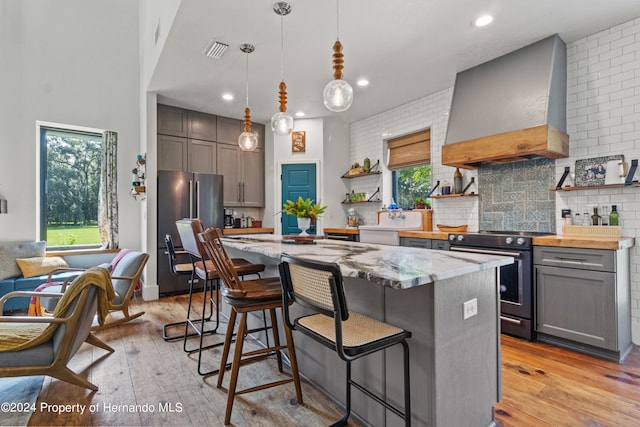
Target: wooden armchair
pixel 125 277
pixel 44 345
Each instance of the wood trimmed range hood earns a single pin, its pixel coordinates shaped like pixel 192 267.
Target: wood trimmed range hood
pixel 510 109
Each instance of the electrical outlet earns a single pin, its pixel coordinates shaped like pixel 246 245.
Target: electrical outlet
pixel 470 308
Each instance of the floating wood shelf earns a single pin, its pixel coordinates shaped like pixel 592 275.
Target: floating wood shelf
pixel 372 171
pixel 595 187
pixel 447 196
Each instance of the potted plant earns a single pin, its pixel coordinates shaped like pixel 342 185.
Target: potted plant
pixel 420 203
pixel 305 210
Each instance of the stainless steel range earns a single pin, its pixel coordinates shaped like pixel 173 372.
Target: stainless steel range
pixel 516 280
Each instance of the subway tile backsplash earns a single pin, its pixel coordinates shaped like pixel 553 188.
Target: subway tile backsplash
pixel 516 197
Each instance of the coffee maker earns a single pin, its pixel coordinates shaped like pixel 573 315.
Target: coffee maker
pixel 228 218
pixel 352 218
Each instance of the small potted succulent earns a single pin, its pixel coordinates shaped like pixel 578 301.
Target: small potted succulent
pixel 305 210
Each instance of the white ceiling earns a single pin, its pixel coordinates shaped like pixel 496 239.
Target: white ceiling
pixel 406 48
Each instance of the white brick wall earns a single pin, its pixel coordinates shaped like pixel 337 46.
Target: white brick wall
pixel 603 117
pixel 368 138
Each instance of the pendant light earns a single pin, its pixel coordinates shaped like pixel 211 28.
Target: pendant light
pixel 282 122
pixel 248 141
pixel 337 94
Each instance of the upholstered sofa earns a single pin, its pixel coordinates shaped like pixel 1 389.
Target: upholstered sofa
pixel 34 260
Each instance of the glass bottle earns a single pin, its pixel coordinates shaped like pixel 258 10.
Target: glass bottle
pixel 457 181
pixel 586 218
pixel 595 218
pixel 613 216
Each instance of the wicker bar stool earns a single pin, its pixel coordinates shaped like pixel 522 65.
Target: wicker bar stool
pixel 319 286
pixel 244 297
pixel 205 269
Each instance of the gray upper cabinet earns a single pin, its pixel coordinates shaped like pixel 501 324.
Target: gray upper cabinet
pixel 202 156
pixel 172 153
pixel 172 121
pixel 201 126
pixel 230 129
pixel 243 173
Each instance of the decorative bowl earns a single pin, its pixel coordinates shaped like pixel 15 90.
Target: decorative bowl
pixel 452 228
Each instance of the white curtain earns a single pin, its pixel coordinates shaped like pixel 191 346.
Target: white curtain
pixel 108 195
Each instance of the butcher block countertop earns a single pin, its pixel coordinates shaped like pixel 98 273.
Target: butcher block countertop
pixel 585 242
pixel 229 231
pixel 342 230
pixel 437 235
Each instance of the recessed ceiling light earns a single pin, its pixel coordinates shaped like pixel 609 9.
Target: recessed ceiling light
pixel 227 97
pixel 483 21
pixel 300 114
pixel 363 82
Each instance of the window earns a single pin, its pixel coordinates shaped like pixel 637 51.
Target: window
pixel 70 168
pixel 409 160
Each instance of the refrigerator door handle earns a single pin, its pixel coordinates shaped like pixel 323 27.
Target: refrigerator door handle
pixel 190 199
pixel 198 199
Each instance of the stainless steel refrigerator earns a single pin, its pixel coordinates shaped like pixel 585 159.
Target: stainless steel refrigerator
pixel 184 195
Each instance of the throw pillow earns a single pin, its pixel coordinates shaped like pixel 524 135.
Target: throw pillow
pixel 38 266
pixel 9 251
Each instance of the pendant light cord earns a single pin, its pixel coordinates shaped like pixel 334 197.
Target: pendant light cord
pixel 281 47
pixel 337 19
pixel 247 83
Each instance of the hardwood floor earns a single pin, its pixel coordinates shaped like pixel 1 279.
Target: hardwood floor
pixel 542 385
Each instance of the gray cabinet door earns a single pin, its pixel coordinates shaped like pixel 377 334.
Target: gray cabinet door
pixel 202 126
pixel 415 242
pixel 172 121
pixel 441 245
pixel 577 305
pixel 228 166
pixel 228 130
pixel 172 153
pixel 252 167
pixel 202 156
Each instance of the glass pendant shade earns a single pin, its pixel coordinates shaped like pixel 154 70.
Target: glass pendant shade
pixel 338 95
pixel 282 123
pixel 248 141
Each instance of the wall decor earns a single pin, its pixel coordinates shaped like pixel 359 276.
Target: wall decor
pixel 298 141
pixel 593 171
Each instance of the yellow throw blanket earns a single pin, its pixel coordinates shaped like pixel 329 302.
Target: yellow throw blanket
pixel 19 336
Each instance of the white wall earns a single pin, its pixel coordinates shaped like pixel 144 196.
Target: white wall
pixel 603 118
pixel 72 63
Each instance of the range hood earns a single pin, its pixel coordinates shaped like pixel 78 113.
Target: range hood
pixel 511 108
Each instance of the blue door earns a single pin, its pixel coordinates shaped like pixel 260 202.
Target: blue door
pixel 298 180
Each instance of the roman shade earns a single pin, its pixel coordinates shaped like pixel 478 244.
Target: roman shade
pixel 410 150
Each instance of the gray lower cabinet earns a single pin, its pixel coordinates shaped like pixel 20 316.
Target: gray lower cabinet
pixel 583 299
pixel 243 173
pixel 416 242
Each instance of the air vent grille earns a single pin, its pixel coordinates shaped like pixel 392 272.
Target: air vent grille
pixel 215 49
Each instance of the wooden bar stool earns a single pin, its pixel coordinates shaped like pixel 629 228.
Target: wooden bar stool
pixel 205 269
pixel 244 297
pixel 319 286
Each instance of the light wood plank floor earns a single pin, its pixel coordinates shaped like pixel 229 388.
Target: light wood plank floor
pixel 542 385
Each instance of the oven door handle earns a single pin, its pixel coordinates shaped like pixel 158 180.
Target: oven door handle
pixel 486 251
pixel 510 320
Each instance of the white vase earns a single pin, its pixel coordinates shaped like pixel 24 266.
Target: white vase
pixel 304 224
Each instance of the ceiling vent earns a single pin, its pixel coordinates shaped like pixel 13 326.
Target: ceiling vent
pixel 215 49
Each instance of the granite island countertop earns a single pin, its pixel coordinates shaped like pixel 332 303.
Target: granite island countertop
pixel 392 266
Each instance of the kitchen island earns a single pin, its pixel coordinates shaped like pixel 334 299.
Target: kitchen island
pixel 455 362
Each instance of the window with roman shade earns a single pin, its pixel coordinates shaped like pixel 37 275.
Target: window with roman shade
pixel 410 150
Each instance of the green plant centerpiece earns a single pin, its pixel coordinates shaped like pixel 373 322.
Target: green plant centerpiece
pixel 305 210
